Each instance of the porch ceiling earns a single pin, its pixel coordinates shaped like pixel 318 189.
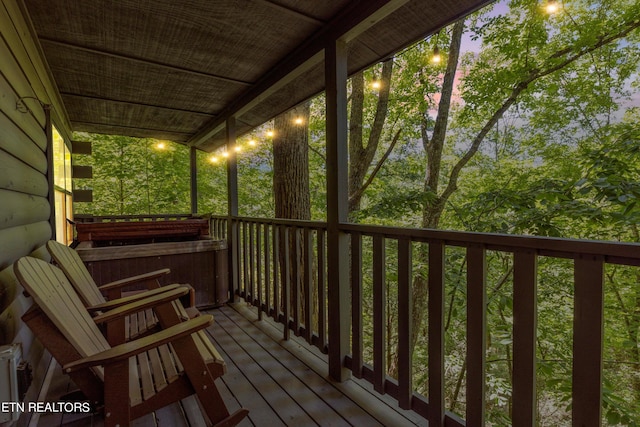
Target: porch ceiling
pixel 177 69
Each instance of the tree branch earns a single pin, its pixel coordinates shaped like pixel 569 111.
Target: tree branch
pixel 375 171
pixel 534 75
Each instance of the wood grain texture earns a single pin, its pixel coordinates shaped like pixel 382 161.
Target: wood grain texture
pixel 18 209
pixel 15 175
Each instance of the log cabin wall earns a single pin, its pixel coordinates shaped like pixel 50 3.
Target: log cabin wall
pixel 25 210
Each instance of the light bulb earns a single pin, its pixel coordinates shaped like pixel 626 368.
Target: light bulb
pixel 436 58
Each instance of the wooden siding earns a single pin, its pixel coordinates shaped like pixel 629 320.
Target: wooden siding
pixel 24 207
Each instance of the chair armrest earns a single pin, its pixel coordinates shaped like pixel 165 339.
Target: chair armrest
pixel 109 305
pixel 134 279
pixel 140 305
pixel 132 348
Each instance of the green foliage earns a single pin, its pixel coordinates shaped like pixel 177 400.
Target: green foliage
pixel 562 160
pixel 133 176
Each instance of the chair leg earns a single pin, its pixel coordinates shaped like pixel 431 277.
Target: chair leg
pixel 204 385
pixel 117 410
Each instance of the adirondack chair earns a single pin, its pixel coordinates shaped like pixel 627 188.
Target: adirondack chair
pixel 135 325
pixel 153 371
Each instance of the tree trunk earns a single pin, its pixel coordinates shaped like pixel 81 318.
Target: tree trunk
pixel 291 189
pixel 291 164
pixel 361 155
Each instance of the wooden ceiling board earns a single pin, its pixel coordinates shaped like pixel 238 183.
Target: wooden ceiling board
pixel 90 110
pixel 321 11
pixel 134 132
pixel 88 73
pixel 239 39
pixel 417 20
pixel 164 67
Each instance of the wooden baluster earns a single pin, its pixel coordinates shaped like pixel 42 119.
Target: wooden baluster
pixel 286 280
pixel 379 315
pixel 405 362
pixel 356 304
pixel 295 278
pixel 524 338
pixel 476 334
pixel 322 295
pixel 267 269
pixel 277 282
pixel 251 249
pixel 436 334
pixel 588 341
pixel 245 262
pixel 308 285
pixel 259 269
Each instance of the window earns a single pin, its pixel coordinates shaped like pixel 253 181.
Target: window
pixel 63 188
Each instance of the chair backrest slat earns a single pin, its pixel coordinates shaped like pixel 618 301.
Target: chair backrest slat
pixel 52 291
pixel 69 261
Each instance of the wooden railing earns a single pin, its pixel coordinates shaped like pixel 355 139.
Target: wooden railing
pixel 298 300
pixel 127 218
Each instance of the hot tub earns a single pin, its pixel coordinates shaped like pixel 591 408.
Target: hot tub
pixel 113 250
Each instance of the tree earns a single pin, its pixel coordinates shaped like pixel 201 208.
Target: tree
pixel 291 164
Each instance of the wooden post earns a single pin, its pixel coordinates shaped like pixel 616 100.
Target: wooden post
pixel 405 314
pixel 524 338
pixel 588 333
pixel 194 179
pixel 379 314
pixel 337 241
pixel 356 305
pixel 436 334
pixel 476 334
pixel 233 238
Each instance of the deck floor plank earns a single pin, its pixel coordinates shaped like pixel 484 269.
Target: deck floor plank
pixel 312 392
pixel 294 402
pixel 324 391
pixel 272 378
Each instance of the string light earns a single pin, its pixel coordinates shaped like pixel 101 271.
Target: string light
pixel 298 120
pixel 252 142
pixel 161 146
pixel 436 58
pixel 238 148
pixel 225 154
pixel 213 159
pixel 270 133
pixel 552 6
pixel 376 84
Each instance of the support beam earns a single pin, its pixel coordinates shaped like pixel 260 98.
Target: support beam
pixel 233 237
pixel 337 198
pixel 352 21
pixel 193 164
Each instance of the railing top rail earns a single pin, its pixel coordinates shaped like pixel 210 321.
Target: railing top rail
pixel 614 252
pixel 548 246
pixel 278 221
pixel 103 218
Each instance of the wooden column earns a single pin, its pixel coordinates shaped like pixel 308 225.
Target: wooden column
pixel 588 338
pixel 524 338
pixel 476 334
pixel 194 179
pixel 436 334
pixel 337 241
pixel 233 237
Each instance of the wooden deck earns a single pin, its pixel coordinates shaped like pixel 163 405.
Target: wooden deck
pixel 282 383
